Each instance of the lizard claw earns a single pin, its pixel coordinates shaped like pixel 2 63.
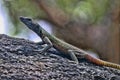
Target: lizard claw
pixel 76 62
pixel 40 51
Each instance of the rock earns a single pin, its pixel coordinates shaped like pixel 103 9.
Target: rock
pixel 20 60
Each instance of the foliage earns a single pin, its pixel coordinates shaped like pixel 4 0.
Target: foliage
pixel 19 8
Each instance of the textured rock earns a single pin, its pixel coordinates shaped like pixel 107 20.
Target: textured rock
pixel 20 61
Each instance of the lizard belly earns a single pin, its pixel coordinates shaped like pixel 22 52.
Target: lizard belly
pixel 60 48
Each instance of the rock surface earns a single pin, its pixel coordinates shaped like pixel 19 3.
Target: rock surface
pixel 20 60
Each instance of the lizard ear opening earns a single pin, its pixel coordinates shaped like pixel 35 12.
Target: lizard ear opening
pixel 39 31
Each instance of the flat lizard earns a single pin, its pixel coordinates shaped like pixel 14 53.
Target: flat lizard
pixel 53 41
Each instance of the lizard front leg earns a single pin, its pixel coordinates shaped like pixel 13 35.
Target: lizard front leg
pixel 49 44
pixel 41 43
pixel 45 40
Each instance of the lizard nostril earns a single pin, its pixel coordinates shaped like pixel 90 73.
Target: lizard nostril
pixel 21 18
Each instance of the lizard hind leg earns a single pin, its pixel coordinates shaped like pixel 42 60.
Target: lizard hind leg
pixel 73 56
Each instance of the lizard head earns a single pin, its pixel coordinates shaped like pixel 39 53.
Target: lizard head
pixel 32 25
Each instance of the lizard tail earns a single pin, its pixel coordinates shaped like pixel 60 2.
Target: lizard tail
pixel 101 62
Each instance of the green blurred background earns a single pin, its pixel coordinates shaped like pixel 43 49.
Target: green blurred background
pixel 88 24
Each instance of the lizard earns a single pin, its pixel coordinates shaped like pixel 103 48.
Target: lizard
pixel 63 46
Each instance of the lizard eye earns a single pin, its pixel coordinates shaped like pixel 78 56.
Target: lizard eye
pixel 25 19
pixel 28 19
